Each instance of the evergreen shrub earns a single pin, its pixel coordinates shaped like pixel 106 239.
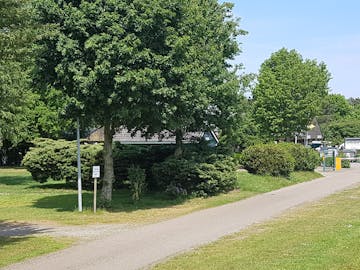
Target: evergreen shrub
pixel 198 175
pixel 143 156
pixel 57 160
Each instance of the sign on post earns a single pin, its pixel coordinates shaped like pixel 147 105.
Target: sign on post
pixel 96 172
pixel 95 175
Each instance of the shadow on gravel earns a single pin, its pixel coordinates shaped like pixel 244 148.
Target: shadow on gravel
pixel 9 229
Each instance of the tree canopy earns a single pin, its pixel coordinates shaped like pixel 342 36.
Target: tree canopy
pixel 146 65
pixel 288 93
pixel 15 60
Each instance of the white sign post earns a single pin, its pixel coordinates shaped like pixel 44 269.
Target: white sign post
pixel 95 175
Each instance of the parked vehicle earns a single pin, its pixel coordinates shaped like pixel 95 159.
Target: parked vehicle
pixel 350 154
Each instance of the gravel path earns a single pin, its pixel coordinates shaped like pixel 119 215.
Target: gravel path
pixel 122 247
pixel 88 232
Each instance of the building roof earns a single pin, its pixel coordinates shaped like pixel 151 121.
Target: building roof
pixel 124 136
pixel 314 133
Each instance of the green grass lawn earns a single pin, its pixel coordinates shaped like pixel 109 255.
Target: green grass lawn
pixel 24 200
pixel 322 236
pixel 15 249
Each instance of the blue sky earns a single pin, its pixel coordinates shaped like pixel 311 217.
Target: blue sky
pixel 325 30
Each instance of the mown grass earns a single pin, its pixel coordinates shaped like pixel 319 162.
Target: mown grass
pixel 24 200
pixel 324 235
pixel 15 249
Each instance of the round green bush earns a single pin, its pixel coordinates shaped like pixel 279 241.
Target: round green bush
pixel 57 160
pixel 306 159
pixel 268 159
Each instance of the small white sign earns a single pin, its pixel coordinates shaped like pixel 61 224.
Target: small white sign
pixel 96 172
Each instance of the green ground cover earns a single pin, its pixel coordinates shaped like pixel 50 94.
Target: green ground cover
pixel 15 249
pixel 24 200
pixel 324 235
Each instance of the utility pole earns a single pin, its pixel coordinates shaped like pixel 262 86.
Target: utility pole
pixel 79 165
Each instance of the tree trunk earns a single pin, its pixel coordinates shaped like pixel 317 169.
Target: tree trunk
pixel 106 192
pixel 179 147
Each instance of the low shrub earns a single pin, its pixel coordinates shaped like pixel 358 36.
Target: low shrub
pixel 143 156
pixel 345 163
pixel 57 159
pixel 212 175
pixel 329 162
pixel 268 159
pixel 306 159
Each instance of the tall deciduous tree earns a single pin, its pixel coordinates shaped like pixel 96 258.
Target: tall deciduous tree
pixel 201 90
pixel 288 93
pixel 147 65
pixel 15 59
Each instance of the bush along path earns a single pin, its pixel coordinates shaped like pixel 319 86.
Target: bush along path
pixel 142 246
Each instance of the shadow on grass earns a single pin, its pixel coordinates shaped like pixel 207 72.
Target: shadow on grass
pixel 11 240
pixel 63 203
pixel 9 229
pixel 15 180
pixel 121 202
pixel 59 185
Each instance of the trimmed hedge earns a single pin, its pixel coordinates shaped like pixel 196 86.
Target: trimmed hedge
pixel 268 159
pixel 57 160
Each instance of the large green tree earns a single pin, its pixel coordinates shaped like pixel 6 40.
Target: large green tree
pixel 336 131
pixel 201 90
pixel 15 60
pixel 147 65
pixel 333 107
pixel 288 94
pixel 340 118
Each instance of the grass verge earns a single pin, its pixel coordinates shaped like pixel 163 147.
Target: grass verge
pixel 15 249
pixel 24 200
pixel 324 235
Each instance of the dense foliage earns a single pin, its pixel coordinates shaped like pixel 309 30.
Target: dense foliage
pixel 16 35
pixel 288 93
pixel 143 156
pixel 337 130
pixel 148 65
pixel 268 159
pixel 196 175
pixel 50 159
pixel 306 159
